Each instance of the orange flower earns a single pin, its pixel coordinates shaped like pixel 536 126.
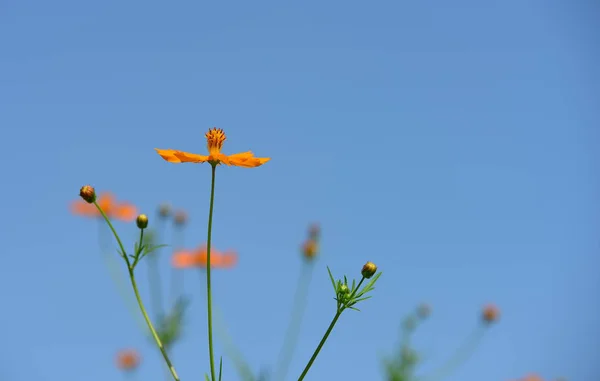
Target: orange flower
pixel 214 138
pixel 490 313
pixel 532 377
pixel 198 258
pixel 122 211
pixel 128 359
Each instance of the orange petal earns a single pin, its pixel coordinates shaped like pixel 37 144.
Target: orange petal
pixel 247 160
pixel 229 260
pixel 187 157
pixel 126 212
pixel 84 209
pixel 183 259
pixel 168 155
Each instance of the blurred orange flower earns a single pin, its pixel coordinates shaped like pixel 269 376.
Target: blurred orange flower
pixel 121 211
pixel 128 359
pixel 214 142
pixel 532 377
pixel 186 259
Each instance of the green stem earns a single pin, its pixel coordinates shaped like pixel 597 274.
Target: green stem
pixel 208 267
pixel 137 294
pixel 291 337
pixel 113 270
pixel 151 327
pixel 314 356
pixel 231 350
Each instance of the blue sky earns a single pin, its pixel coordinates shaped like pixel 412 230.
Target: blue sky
pixel 455 145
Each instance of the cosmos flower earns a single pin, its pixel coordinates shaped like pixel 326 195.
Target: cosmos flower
pixel 197 258
pixel 215 138
pixel 123 211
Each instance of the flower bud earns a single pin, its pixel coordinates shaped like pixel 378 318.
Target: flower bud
pixel 423 311
pixel 88 193
pixel 368 270
pixel 490 313
pixel 142 221
pixel 314 232
pixel 310 248
pixel 128 360
pixel 164 210
pixel 344 290
pixel 180 217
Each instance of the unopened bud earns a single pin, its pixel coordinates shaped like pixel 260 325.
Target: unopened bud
pixel 142 221
pixel 164 210
pixel 344 290
pixel 314 231
pixel 423 311
pixel 490 313
pixel 88 193
pixel 310 249
pixel 180 217
pixel 369 269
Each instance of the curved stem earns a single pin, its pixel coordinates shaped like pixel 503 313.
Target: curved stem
pixel 208 267
pixel 151 327
pixel 314 356
pixel 137 294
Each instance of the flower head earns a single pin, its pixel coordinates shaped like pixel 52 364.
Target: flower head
pixel 122 211
pixel 310 248
pixel 198 258
pixel 180 217
pixel 128 359
pixel 215 138
pixel 490 313
pixel 164 210
pixel 423 311
pixel 142 221
pixel 88 194
pixel 369 269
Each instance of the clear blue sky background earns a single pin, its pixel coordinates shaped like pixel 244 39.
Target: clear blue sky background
pixel 455 144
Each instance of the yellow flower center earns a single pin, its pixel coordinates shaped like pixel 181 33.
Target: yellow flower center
pixel 214 140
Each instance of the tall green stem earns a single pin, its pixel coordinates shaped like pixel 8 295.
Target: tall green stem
pixel 314 356
pixel 208 267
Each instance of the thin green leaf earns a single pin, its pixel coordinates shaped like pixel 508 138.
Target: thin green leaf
pixel 220 368
pixel 332 281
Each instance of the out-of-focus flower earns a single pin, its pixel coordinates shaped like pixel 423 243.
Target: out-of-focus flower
pixel 532 377
pixel 310 248
pixel 490 313
pixel 314 232
pixel 198 258
pixel 215 138
pixel 369 269
pixel 164 210
pixel 118 210
pixel 128 359
pixel 180 217
pixel 424 310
